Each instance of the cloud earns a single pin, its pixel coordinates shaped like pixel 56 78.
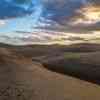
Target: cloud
pixel 8 9
pixel 76 17
pixel 52 9
pixel 95 2
pixel 66 15
pixel 87 19
pixel 2 23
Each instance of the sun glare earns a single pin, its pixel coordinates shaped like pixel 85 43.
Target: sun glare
pixel 92 13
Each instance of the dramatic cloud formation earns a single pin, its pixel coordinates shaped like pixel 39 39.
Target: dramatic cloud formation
pixel 26 18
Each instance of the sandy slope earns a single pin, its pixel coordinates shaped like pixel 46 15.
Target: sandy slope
pixel 22 79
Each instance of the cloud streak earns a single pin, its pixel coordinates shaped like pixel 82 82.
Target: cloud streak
pixel 2 23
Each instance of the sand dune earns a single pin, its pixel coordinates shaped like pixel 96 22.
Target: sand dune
pixel 24 79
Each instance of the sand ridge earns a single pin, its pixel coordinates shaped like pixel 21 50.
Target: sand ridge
pixel 24 79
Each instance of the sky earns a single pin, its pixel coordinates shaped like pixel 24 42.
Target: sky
pixel 49 21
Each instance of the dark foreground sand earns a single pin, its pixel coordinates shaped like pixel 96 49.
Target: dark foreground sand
pixel 24 79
